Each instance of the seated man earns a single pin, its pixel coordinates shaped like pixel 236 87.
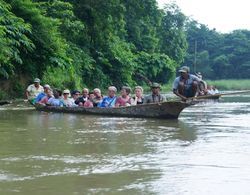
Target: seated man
pixel 186 85
pixel 33 90
pixel 155 96
pixel 81 100
pixel 98 96
pixel 109 101
pixel 75 94
pixel 56 100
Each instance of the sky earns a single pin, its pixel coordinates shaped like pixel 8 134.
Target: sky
pixel 223 15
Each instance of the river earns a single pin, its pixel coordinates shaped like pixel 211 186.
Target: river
pixel 206 151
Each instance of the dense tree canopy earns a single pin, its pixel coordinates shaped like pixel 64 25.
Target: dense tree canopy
pixel 218 56
pixel 97 43
pixel 91 43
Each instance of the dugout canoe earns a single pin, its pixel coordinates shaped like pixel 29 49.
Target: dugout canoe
pixel 163 110
pixel 208 97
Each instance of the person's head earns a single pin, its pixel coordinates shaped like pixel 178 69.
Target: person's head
pixel 85 92
pixel 155 87
pixel 97 92
pixel 199 75
pixel 49 93
pixel 125 91
pixel 46 88
pixel 66 93
pixel 112 91
pixel 138 91
pixel 184 71
pixel 75 94
pixel 57 93
pixel 91 95
pixel 37 82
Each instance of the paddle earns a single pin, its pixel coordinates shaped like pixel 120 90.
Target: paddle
pixel 219 94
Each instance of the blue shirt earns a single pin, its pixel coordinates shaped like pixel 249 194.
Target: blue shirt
pixel 39 97
pixel 188 83
pixel 107 102
pixel 55 102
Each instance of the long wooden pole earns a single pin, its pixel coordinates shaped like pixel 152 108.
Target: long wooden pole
pixel 195 54
pixel 220 94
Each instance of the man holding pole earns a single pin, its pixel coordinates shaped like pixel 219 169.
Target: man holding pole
pixel 186 85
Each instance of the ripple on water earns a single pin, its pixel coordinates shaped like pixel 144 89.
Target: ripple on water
pixel 206 151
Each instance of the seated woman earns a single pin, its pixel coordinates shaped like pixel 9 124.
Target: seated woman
pixel 138 99
pixel 56 101
pixel 68 102
pixel 89 102
pixel 109 101
pixel 124 99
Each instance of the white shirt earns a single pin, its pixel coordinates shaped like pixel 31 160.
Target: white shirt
pixel 33 91
pixel 69 102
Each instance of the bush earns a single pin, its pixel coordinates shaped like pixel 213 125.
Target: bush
pixel 62 78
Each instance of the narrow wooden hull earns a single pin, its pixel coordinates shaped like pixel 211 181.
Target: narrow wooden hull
pixel 210 97
pixel 164 110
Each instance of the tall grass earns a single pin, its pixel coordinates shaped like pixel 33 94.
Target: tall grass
pixel 231 84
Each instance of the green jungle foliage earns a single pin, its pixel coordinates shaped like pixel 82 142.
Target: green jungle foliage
pixel 90 43
pixel 71 44
pixel 218 56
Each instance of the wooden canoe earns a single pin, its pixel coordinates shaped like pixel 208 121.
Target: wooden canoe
pixel 209 97
pixel 163 110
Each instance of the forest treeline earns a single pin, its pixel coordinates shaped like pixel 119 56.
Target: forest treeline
pixel 70 44
pixel 217 55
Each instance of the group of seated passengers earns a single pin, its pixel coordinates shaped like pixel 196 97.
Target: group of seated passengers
pixel 46 96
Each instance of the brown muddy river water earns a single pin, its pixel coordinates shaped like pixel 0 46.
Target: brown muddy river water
pixel 206 151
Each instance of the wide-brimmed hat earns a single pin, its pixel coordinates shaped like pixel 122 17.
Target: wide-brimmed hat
pixel 155 85
pixel 184 69
pixel 36 80
pixel 66 91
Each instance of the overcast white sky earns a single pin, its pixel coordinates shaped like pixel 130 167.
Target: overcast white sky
pixel 223 15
